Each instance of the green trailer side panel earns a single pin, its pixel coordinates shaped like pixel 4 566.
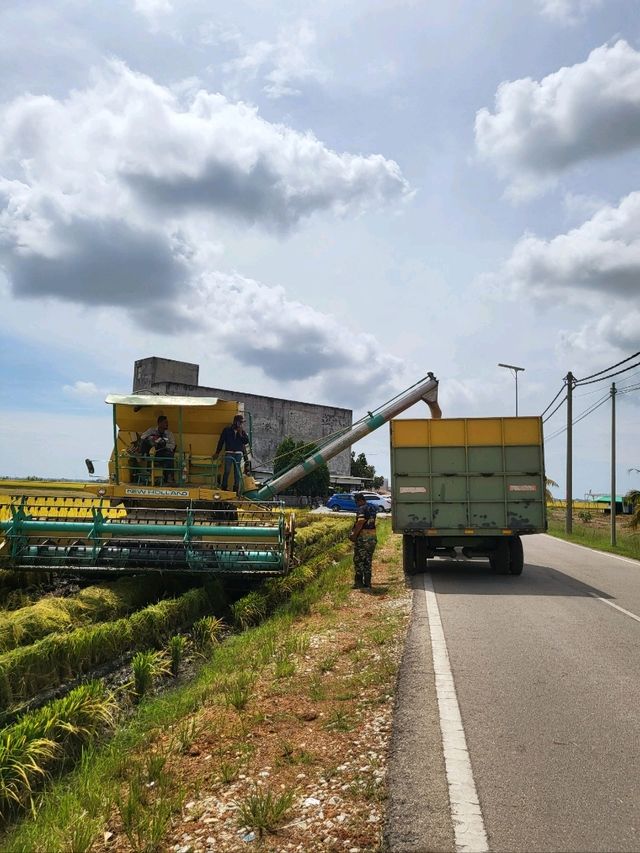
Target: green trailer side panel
pixel 448 460
pixel 485 459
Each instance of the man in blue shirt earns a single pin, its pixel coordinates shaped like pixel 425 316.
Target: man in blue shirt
pixel 235 442
pixel 363 536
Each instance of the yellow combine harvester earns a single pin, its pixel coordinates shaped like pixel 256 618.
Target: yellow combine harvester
pixel 137 521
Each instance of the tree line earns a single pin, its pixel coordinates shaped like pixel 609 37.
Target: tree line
pixel 317 484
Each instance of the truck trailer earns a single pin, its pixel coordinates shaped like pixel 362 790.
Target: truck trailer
pixel 470 486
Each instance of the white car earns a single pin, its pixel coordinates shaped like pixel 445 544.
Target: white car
pixel 382 502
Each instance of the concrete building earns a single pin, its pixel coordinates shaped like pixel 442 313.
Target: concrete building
pixel 271 418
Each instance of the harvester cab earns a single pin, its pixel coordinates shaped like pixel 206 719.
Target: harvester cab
pixel 189 471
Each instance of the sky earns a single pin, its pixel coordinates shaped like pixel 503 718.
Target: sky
pixel 320 201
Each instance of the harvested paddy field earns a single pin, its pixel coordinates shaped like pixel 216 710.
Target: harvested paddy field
pixel 269 729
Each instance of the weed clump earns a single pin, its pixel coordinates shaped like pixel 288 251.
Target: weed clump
pixel 177 646
pixel 263 811
pixel 145 668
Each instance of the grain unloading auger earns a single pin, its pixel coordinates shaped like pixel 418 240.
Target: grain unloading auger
pixel 139 522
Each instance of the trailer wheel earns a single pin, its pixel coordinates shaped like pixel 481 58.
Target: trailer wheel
pixel 410 555
pixel 500 560
pixel 516 555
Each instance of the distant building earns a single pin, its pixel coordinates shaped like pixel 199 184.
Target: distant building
pixel 270 418
pixel 604 503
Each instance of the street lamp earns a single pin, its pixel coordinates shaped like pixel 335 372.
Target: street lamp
pixel 514 370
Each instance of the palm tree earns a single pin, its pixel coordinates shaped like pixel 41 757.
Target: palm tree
pixel 633 497
pixel 548 485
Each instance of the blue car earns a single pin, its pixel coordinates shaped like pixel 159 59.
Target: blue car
pixel 347 502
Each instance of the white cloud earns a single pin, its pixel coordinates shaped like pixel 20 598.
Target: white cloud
pixel 541 128
pixel 153 10
pixel 600 257
pixel 612 332
pixel 283 64
pixel 82 390
pixel 111 196
pixel 291 341
pixel 594 268
pixel 566 11
pixel 126 143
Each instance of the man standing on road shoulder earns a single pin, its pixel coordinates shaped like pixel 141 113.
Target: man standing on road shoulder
pixel 363 536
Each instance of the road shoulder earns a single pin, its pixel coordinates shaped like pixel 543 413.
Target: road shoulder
pixel 418 815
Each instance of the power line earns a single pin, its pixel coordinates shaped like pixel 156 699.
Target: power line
pixel 561 403
pixel 607 369
pixel 597 390
pixel 552 402
pixel 589 393
pixel 609 375
pixel 580 417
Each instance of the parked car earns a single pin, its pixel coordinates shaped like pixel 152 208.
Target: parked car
pixel 347 502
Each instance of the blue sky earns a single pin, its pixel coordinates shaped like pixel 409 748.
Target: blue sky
pixel 320 202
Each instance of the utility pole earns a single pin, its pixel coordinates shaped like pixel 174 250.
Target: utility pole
pixel 569 495
pixel 613 463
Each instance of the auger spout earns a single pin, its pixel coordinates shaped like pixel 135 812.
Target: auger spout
pixel 426 389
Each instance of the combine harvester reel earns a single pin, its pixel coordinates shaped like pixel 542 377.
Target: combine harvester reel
pixel 177 541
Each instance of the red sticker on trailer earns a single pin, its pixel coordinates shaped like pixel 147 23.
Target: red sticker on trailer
pixel 523 488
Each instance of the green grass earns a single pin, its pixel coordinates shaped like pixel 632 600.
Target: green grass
pixel 146 811
pixel 599 538
pixel 339 721
pixel 237 690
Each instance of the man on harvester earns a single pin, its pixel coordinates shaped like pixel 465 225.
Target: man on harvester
pixel 235 442
pixel 161 439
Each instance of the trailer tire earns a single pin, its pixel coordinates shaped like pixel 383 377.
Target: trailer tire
pixel 410 555
pixel 516 555
pixel 500 560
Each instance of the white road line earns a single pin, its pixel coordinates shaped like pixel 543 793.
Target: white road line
pixel 635 563
pixel 617 607
pixel 468 825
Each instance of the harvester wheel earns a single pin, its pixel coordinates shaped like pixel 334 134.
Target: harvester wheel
pixel 516 553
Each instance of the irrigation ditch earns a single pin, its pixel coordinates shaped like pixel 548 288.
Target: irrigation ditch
pixel 145 642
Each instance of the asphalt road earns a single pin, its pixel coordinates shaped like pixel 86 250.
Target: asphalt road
pixel 547 676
